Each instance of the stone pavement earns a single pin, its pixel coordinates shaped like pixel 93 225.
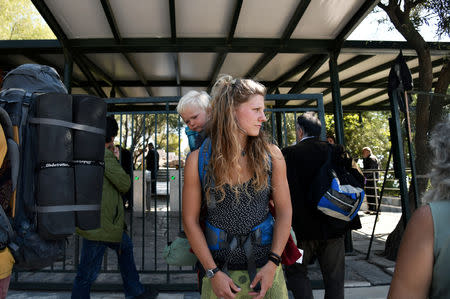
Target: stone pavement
pixel 363 278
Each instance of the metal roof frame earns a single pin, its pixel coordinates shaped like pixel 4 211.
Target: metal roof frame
pixel 319 50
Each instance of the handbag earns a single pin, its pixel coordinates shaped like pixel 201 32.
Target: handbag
pixel 178 252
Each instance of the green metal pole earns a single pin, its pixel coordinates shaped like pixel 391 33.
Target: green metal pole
pixel 338 123
pixel 336 96
pixel 399 155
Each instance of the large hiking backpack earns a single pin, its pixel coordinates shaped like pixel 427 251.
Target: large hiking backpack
pixel 61 148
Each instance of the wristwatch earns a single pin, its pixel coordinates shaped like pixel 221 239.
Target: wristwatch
pixel 211 272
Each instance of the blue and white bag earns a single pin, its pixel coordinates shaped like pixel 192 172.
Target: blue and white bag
pixel 341 201
pixel 336 191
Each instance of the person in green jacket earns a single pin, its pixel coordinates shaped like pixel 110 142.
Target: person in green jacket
pixel 111 233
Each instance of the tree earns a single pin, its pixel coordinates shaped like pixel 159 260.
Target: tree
pixel 19 19
pixel 138 129
pixel 407 16
pixel 364 129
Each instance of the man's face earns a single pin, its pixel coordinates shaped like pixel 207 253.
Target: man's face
pixel 365 153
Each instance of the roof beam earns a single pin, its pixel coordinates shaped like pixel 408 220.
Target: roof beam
pixel 117 36
pixel 222 55
pixel 199 45
pixel 346 65
pixel 384 81
pixel 293 22
pixel 300 85
pixel 173 34
pixel 173 25
pixel 62 37
pixel 111 19
pixel 102 74
pixel 368 98
pixel 366 73
pixel 291 73
pixel 357 18
pixel 176 58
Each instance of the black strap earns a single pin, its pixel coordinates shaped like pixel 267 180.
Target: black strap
pixel 55 164
pixel 89 163
pixel 251 262
pixel 66 124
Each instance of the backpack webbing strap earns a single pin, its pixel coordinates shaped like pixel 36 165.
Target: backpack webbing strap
pixel 66 124
pixel 203 159
pixel 67 208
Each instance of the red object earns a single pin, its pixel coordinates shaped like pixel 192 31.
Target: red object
pixel 290 253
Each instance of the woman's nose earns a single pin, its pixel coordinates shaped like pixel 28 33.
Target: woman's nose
pixel 262 117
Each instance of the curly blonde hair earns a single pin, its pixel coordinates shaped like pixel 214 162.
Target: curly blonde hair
pixel 223 129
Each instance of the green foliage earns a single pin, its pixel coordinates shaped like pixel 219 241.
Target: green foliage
pixel 364 129
pixel 421 13
pixel 19 19
pixel 287 125
pixel 138 130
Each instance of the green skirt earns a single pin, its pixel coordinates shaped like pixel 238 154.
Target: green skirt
pixel 240 278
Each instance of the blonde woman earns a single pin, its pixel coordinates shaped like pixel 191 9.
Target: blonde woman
pixel 238 243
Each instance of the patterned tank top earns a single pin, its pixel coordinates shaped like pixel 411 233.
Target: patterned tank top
pixel 237 216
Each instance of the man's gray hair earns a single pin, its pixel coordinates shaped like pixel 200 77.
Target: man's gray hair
pixel 440 173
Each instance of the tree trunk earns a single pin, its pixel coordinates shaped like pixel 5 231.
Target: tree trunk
pixel 402 22
pixel 437 103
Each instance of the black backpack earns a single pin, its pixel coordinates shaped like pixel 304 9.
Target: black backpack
pixel 60 138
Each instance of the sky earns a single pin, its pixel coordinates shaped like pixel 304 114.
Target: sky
pixel 369 29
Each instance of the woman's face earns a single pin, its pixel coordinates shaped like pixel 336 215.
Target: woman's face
pixel 250 115
pixel 194 117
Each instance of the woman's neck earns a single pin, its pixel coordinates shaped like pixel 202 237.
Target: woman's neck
pixel 243 141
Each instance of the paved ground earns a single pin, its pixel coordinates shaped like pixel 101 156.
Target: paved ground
pixel 363 279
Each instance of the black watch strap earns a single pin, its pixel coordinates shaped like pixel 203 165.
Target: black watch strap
pixel 211 272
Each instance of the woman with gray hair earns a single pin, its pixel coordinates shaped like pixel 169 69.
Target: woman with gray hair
pixel 423 262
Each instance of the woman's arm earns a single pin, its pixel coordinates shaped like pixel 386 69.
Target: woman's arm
pixel 192 196
pixel 283 208
pixel 282 200
pixel 414 266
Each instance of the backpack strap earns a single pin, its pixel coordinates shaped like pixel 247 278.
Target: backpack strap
pixel 203 159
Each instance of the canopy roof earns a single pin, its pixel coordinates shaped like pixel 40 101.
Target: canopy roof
pixel 142 48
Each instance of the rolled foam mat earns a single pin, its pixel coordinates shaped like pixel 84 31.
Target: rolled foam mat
pixel 88 147
pixel 56 178
pixel 88 182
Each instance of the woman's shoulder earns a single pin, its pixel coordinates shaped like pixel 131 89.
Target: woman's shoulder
pixel 275 153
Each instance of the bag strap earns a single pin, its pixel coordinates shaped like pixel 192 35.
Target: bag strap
pixel 66 124
pixel 203 159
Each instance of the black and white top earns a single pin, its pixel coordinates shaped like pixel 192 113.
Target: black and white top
pixel 237 216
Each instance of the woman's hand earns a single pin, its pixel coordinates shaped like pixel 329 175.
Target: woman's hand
pixel 265 276
pixel 223 286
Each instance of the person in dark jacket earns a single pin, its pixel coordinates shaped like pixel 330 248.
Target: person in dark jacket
pixel 318 235
pixel 371 164
pixel 152 164
pixel 111 232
